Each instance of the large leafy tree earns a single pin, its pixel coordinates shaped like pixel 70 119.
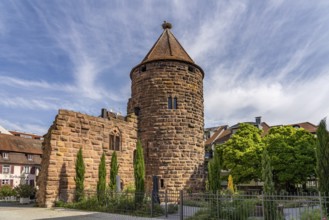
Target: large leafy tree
pixel 292 156
pixel 322 156
pixel 242 153
pixel 79 177
pixel 114 171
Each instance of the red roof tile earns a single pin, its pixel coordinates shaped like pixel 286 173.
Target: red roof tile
pixel 10 143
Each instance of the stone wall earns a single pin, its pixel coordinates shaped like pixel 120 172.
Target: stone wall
pixel 72 131
pixel 172 138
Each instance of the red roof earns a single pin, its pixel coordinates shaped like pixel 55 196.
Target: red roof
pixel 10 143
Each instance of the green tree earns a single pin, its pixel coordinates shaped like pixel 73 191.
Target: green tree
pixel 101 184
pixel 139 173
pixel 114 171
pixel 214 169
pixel 79 177
pixel 322 158
pixel 242 153
pixel 292 156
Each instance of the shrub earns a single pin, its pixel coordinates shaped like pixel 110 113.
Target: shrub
pixel 24 190
pixel 7 191
pixel 314 214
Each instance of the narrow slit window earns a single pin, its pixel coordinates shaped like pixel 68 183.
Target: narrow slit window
pixel 175 103
pixel 137 111
pixel 169 103
pixel 143 68
pixel 115 140
pixel 191 69
pixel 112 142
pixel 117 143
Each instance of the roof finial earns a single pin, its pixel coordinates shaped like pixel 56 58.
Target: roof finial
pixel 166 25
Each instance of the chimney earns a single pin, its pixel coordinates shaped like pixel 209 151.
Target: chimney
pixel 258 120
pixel 104 113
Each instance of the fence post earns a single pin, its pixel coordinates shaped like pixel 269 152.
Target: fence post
pixel 320 204
pixel 181 217
pixel 263 206
pixel 166 203
pixel 152 203
pixel 217 204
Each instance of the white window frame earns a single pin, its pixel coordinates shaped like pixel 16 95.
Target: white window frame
pixel 5 169
pixel 30 157
pixel 5 182
pixel 5 155
pixel 27 169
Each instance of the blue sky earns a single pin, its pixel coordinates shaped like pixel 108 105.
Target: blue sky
pixel 260 57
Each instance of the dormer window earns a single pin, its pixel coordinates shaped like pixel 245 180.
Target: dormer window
pixel 5 155
pixel 30 157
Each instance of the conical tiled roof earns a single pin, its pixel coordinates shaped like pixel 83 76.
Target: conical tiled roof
pixel 167 47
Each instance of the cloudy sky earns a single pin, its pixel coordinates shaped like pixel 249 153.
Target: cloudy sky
pixel 260 57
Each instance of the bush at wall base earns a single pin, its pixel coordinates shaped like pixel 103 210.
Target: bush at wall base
pixel 24 192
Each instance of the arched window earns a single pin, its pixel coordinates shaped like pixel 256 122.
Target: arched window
pixel 115 140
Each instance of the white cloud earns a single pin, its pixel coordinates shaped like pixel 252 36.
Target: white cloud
pixel 21 83
pixel 266 58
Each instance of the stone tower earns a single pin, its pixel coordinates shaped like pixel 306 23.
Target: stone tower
pixel 167 97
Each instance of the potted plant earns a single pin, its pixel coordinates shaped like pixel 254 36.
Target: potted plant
pixel 24 192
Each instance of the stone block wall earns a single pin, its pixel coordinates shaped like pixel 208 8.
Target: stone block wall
pixel 172 138
pixel 72 131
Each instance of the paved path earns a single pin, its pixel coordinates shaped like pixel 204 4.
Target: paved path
pixel 28 212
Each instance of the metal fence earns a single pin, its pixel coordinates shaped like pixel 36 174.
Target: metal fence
pixel 199 206
pixel 254 207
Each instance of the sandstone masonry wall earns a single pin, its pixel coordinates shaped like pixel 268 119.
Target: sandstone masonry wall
pixel 72 131
pixel 172 138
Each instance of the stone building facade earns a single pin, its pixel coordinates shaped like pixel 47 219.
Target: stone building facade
pixel 95 135
pixel 165 112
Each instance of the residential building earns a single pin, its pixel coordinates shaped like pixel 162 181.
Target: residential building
pixel 20 160
pixel 221 134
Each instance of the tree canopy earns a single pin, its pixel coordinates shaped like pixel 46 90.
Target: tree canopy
pixel 242 153
pixel 292 156
pixel 291 152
